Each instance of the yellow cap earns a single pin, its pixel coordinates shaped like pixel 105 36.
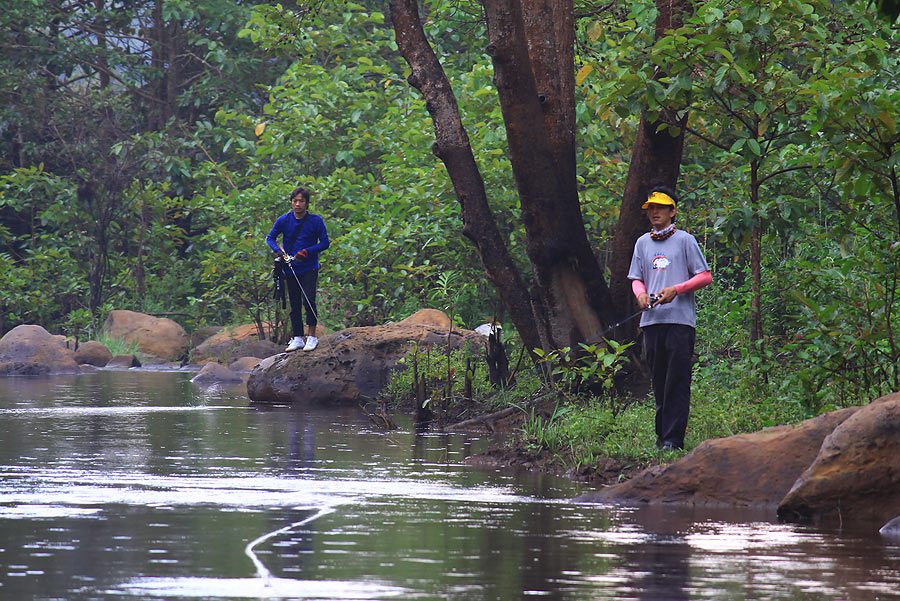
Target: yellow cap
pixel 658 198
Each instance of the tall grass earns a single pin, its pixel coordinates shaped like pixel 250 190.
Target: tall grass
pixel 117 346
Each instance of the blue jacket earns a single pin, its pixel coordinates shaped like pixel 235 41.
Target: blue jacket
pixel 312 236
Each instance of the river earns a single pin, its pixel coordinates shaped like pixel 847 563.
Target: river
pixel 140 485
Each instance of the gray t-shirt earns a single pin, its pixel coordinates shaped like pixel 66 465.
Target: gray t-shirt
pixel 668 263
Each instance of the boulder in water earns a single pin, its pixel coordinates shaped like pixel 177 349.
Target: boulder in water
pixel 213 373
pixel 350 366
pixel 29 350
pixel 856 474
pixel 746 470
pixel 92 353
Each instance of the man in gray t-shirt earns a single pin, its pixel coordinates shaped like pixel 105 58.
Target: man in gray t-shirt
pixel 669 265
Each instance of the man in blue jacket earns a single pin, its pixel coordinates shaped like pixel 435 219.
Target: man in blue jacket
pixel 304 236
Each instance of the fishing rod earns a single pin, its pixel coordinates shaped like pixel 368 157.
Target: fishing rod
pixel 653 301
pixel 287 258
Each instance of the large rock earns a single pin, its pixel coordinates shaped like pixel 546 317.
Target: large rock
pixel 158 336
pixel 428 317
pixel 220 347
pixel 244 364
pixel 92 353
pixel 126 361
pixel 29 350
pixel 213 373
pixel 748 470
pixel 856 474
pixel 347 367
pixel 202 333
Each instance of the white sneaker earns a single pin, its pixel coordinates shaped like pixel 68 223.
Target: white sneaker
pixel 295 343
pixel 311 343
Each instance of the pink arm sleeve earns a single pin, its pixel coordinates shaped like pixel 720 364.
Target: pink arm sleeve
pixel 637 286
pixel 695 283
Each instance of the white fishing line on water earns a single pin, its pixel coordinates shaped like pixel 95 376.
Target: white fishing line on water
pixel 261 569
pixel 113 411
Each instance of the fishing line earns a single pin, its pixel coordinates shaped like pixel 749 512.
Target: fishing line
pixel 261 570
pixel 309 305
pixel 653 301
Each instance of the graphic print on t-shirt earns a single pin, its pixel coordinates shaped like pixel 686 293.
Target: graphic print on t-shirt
pixel 661 262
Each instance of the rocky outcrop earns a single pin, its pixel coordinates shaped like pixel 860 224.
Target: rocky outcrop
pixel 428 317
pixel 750 470
pixel 221 346
pixel 213 373
pixel 157 336
pixel 244 364
pixel 202 333
pixel 30 350
pixel 856 474
pixel 92 353
pixel 347 367
pixel 839 467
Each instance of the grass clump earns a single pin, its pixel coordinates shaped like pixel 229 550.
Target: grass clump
pixel 117 346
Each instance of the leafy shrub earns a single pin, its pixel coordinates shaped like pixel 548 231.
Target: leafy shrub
pixel 444 373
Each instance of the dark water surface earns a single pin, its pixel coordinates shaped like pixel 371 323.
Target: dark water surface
pixel 140 485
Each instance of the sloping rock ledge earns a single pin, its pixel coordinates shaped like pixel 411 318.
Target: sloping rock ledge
pixel 838 467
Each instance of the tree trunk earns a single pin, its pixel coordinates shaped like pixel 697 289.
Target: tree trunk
pixel 756 329
pixel 452 147
pixel 538 103
pixel 655 160
pixel 165 63
pixel 102 62
pixel 531 45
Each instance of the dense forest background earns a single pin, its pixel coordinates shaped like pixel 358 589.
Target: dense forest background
pixel 148 145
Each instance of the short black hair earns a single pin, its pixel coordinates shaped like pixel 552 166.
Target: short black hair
pixel 665 190
pixel 300 191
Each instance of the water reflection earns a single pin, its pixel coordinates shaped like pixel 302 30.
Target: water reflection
pixel 663 562
pixel 141 485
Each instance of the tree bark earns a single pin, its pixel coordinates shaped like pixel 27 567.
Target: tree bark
pixel 571 297
pixel 655 160
pixel 102 62
pixel 452 147
pixel 756 327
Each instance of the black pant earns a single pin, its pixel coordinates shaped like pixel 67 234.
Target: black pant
pixel 670 351
pixel 299 300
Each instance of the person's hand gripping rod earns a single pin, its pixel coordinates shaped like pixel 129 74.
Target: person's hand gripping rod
pixel 287 259
pixel 653 301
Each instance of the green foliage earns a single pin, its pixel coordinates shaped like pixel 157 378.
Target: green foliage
pixel 593 364
pixel 438 367
pixel 118 346
pixel 80 325
pixel 847 348
pixel 573 433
